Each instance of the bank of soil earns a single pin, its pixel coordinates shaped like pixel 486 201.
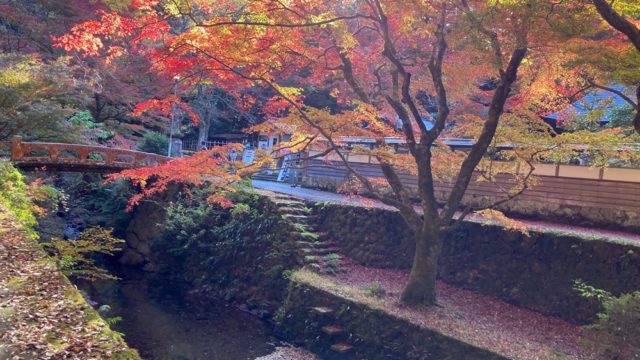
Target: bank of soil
pixel 42 315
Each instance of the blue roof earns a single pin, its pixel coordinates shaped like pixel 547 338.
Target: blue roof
pixel 598 100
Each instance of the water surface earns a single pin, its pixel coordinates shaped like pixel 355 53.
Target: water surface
pixel 161 324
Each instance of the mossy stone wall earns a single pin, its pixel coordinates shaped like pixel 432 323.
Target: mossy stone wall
pixel 239 255
pixel 536 272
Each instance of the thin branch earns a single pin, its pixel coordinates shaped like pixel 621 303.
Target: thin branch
pixel 617 92
pixel 492 35
pixel 284 25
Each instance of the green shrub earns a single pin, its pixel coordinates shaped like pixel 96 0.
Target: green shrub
pixel 299 227
pixel 75 257
pixel 310 236
pixel 83 119
pixel 333 261
pixel 375 289
pixel 16 196
pixel 239 254
pixel 240 209
pixel 616 333
pixel 155 143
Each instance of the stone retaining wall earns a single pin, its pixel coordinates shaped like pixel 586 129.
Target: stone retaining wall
pixel 536 272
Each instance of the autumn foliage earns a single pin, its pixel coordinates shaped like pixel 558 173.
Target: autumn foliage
pixel 214 168
pixel 417 71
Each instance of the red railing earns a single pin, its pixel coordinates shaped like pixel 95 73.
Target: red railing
pixel 71 156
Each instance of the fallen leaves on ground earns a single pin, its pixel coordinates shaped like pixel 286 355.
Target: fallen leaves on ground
pixel 476 319
pixel 42 316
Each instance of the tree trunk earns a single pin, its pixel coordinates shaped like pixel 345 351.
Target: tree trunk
pixel 636 119
pixel 421 287
pixel 203 131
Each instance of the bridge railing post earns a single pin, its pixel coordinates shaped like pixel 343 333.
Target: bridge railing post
pixel 16 148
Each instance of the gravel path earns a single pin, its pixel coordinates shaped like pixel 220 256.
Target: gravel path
pixel 533 225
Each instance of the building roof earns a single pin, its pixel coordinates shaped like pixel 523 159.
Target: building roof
pixel 599 103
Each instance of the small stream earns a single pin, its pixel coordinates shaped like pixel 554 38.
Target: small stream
pixel 161 324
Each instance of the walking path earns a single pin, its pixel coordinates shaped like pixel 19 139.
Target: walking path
pixel 532 225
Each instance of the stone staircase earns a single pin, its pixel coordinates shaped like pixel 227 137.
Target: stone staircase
pixel 316 252
pixel 333 335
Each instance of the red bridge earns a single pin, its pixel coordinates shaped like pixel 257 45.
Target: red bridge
pixel 76 158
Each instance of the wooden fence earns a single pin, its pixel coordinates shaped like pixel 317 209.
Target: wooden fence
pixel 579 195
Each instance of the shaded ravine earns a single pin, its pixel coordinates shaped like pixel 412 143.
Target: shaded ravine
pixel 161 324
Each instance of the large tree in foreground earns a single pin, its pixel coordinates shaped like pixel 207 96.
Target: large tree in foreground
pixel 473 68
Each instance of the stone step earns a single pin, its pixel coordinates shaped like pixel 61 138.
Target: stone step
pixel 311 259
pixel 322 310
pixel 323 258
pixel 324 269
pixel 301 219
pixel 315 244
pixel 309 236
pixel 289 204
pixel 288 201
pixel 333 330
pixel 316 268
pixel 341 347
pixel 319 251
pixel 293 210
pixel 286 197
pixel 302 227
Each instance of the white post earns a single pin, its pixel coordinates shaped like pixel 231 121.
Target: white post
pixel 173 115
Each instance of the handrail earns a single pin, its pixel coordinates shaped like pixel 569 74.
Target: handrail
pixel 43 153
